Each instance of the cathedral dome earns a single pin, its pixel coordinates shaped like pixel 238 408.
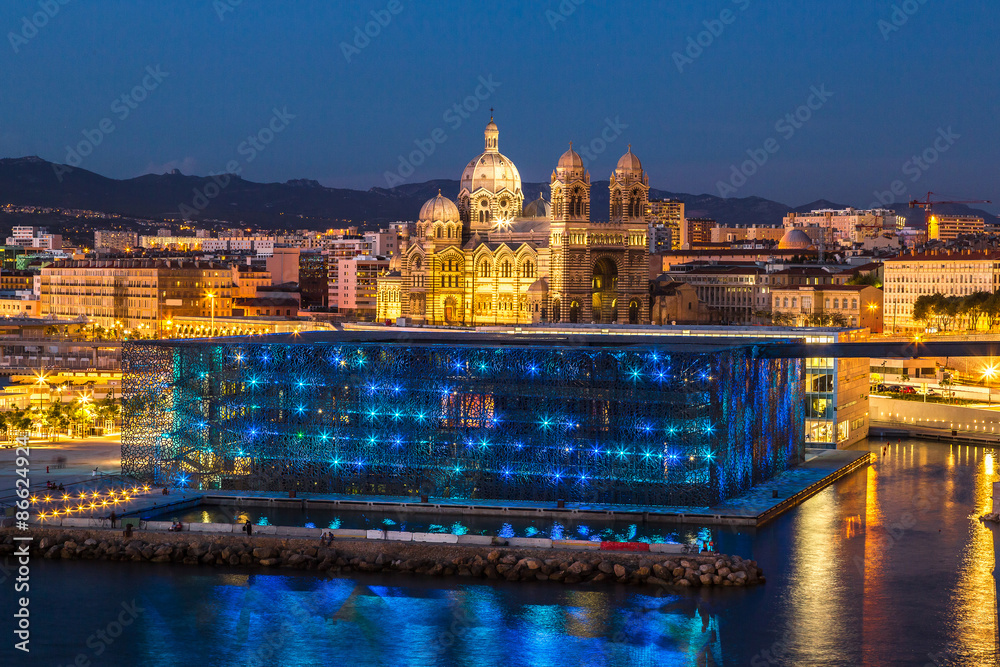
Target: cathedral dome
pixel 570 159
pixel 491 170
pixel 795 239
pixel 538 208
pixel 629 162
pixel 439 209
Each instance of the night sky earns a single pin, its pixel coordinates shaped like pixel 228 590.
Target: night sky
pixel 892 78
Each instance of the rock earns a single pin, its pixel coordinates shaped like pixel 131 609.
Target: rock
pixel 600 576
pixel 678 572
pixel 723 572
pixel 707 569
pixel 557 575
pixel 683 582
pixel 657 581
pixel 268 562
pixel 379 560
pixel 534 563
pixel 160 559
pixel 571 579
pixel 493 556
pixel 245 559
pixel 264 552
pixel 542 577
pixel 620 570
pixel 491 571
pixel 147 552
pixel 642 572
pixel 509 559
pixel 90 542
pixel 234 559
pixel 606 567
pixel 70 544
pixel 45 543
pixel 577 568
pixel 660 572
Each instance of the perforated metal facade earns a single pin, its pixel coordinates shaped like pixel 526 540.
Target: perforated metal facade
pixel 655 424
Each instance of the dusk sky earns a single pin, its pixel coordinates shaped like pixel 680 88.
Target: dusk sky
pixel 893 83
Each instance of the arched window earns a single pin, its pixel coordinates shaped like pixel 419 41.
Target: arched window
pixel 484 270
pixel 528 270
pixel 505 269
pixel 795 302
pixel 854 304
pixel 437 232
pixel 836 303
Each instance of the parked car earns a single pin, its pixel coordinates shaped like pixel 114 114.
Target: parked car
pixel 907 390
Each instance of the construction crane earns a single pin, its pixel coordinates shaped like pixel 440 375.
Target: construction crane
pixel 929 220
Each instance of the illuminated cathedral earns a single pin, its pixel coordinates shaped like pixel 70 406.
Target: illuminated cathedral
pixel 491 259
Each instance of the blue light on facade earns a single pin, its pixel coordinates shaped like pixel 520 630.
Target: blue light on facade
pixel 642 424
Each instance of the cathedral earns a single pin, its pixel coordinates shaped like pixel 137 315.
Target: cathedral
pixel 490 259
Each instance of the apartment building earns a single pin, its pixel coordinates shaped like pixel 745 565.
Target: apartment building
pixel 359 285
pixel 949 227
pixel 115 239
pixel 34 237
pixel 135 294
pixel 842 225
pixel 958 273
pixel 854 306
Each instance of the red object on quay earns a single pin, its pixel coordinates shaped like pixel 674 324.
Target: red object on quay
pixel 624 546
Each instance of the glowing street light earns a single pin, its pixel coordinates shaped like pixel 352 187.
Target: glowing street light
pixel 211 296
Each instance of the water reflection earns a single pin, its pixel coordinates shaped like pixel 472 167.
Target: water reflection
pixel 888 566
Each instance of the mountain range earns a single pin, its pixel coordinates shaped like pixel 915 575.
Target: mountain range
pixel 304 203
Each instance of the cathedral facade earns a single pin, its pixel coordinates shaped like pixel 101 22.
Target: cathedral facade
pixel 490 259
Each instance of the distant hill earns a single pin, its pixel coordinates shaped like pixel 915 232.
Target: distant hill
pixel 304 203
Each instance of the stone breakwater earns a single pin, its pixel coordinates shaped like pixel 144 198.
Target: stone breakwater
pixel 510 564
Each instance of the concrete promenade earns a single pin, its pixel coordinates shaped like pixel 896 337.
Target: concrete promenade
pixel 761 505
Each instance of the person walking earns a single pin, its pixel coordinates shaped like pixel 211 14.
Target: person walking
pixel 113 517
pixel 248 528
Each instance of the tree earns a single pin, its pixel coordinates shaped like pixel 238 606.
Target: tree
pixel 866 279
pixel 838 320
pixel 923 308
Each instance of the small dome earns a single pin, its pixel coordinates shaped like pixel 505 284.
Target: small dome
pixel 538 208
pixel 539 286
pixel 440 209
pixel 629 162
pixel 795 239
pixel 570 159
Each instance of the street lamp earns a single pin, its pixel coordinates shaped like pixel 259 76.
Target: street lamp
pixel 989 373
pixel 40 382
pixel 211 296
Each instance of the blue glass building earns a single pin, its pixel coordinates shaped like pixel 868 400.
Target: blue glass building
pixel 600 419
